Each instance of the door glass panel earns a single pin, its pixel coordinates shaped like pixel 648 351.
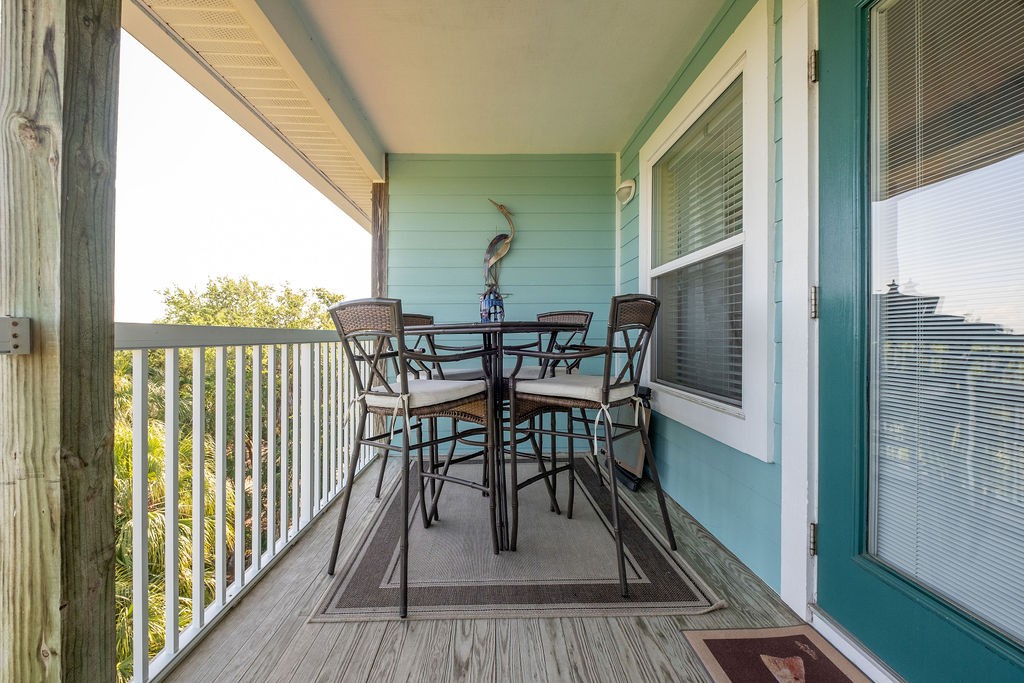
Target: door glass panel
pixel 947 304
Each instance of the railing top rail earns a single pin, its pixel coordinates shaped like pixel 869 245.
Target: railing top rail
pixel 129 336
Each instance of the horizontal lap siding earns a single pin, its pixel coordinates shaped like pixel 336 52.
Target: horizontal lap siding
pixel 737 497
pixel 440 223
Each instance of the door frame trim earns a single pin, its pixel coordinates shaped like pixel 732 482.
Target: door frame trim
pixel 799 409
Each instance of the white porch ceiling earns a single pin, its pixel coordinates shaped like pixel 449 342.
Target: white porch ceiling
pixel 331 85
pixel 504 76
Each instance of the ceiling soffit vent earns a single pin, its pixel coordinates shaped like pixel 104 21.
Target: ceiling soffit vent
pixel 218 35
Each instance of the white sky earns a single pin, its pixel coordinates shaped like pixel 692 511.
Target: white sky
pixel 198 197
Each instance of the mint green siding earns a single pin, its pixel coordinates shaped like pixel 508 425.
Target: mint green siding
pixel 563 252
pixel 737 497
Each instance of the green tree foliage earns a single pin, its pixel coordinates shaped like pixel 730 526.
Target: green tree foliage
pixel 246 303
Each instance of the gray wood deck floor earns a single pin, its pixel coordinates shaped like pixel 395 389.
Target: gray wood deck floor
pixel 266 637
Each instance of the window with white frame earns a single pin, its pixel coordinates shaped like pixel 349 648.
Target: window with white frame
pixel 704 246
pixel 697 254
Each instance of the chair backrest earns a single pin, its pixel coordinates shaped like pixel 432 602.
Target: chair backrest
pixel 372 332
pixel 567 337
pixel 423 341
pixel 413 319
pixel 630 326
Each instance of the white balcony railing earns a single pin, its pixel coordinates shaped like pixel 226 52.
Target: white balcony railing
pixel 279 402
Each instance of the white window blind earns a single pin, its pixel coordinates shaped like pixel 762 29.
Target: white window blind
pixel 697 207
pixel 947 399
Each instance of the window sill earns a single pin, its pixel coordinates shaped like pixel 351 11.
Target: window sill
pixel 744 430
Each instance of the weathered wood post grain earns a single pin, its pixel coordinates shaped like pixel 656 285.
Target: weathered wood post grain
pixel 58 92
pixel 379 237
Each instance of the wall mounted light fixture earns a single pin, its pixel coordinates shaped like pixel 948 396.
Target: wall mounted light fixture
pixel 626 191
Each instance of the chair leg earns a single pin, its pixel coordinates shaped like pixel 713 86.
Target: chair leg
pixel 538 443
pixel 490 461
pixel 436 495
pixel 422 488
pixel 657 480
pixel 383 466
pixel 346 496
pixel 403 605
pixel 572 468
pixel 593 454
pixel 431 435
pixel 513 490
pixel 554 460
pixel 614 486
pixel 487 472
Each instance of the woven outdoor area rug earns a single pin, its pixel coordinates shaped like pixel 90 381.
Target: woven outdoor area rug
pixel 784 655
pixel 562 567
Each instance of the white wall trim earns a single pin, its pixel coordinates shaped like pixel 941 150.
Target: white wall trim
pixel 618 226
pixel 862 658
pixel 746 51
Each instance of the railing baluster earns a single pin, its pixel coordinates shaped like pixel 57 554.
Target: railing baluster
pixel 239 468
pixel 307 395
pixel 257 458
pixel 198 487
pixel 325 424
pixel 271 451
pixel 314 429
pixel 335 413
pixel 220 473
pixel 140 515
pixel 307 478
pixel 284 443
pixel 296 437
pixel 171 569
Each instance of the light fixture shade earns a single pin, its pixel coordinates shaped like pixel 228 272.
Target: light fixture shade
pixel 626 191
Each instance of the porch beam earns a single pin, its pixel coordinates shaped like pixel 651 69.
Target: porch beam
pixel 379 238
pixel 58 102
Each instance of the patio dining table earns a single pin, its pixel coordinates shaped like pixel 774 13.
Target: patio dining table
pixel 493 334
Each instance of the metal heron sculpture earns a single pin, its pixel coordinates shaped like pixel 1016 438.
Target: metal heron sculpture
pixel 498 247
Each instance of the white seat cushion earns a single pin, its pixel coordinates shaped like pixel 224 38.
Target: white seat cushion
pixel 429 392
pixel 581 387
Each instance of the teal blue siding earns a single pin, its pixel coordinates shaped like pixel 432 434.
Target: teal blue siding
pixel 737 497
pixel 734 496
pixel 563 252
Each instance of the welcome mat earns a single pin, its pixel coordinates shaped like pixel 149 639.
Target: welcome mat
pixel 562 567
pixel 789 654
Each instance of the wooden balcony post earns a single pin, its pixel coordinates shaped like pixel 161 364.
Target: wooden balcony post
pixel 58 103
pixel 379 237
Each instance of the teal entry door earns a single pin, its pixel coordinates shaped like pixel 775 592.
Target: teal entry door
pixel 921 346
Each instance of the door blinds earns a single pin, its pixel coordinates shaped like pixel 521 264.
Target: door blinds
pixel 947 304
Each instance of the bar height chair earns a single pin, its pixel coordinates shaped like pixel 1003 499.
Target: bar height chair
pixel 373 335
pixel 630 324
